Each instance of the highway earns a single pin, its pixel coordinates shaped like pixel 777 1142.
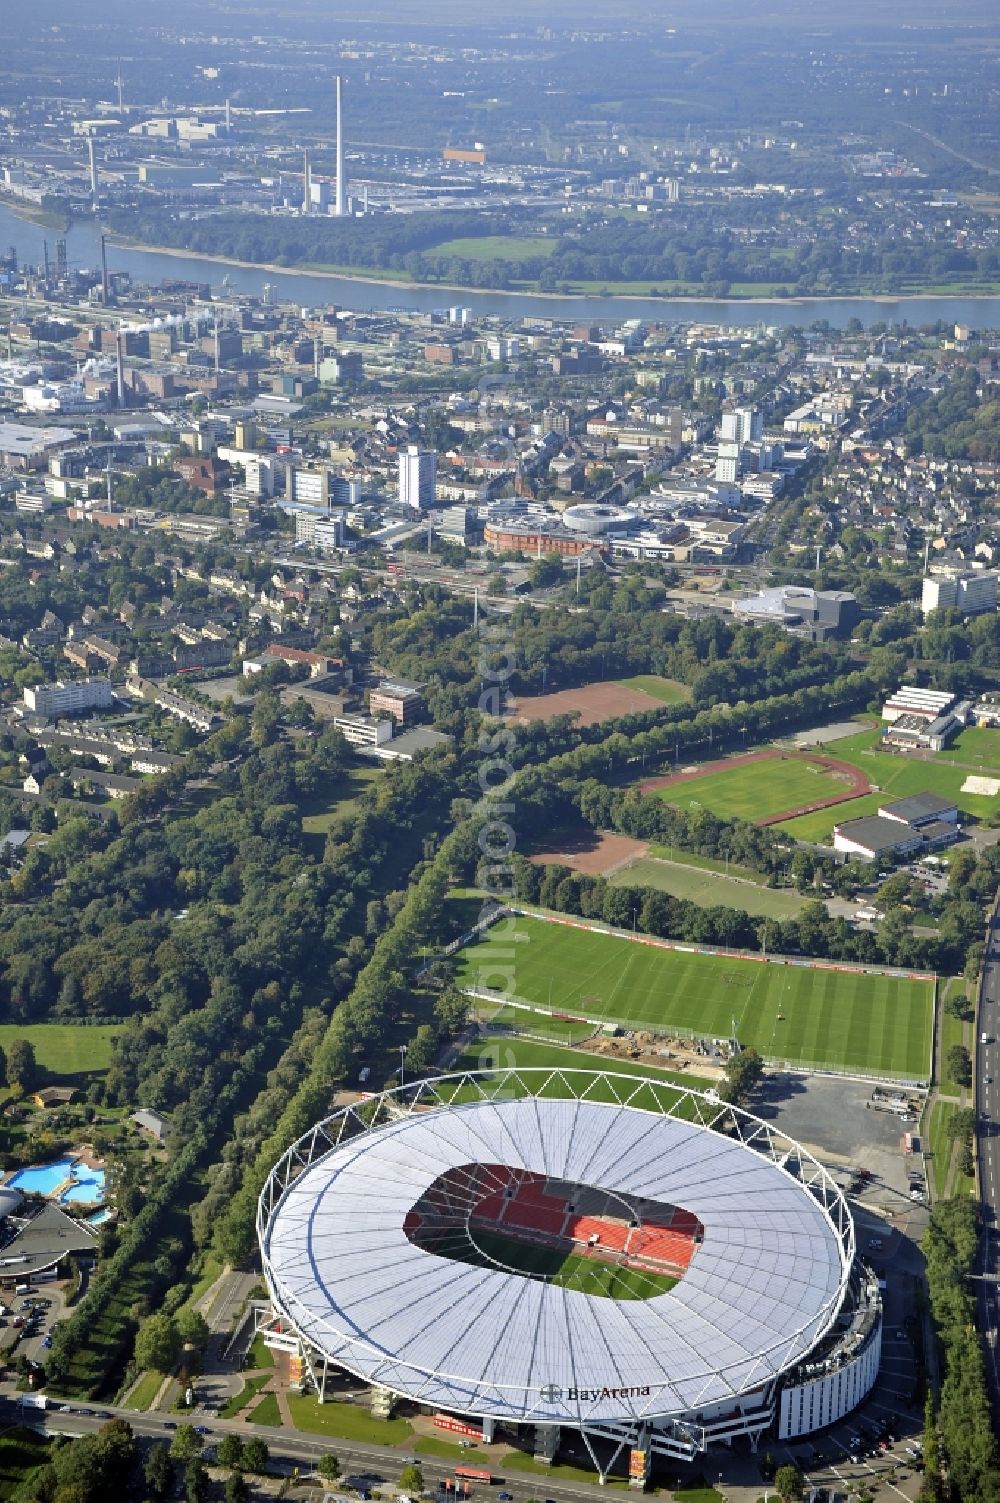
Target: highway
pixel 987 1068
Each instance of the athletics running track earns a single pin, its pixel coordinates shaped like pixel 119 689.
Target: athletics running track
pixel 858 784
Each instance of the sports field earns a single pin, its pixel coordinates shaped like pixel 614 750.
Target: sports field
pixel 707 888
pixel 848 1020
pixel 898 776
pixel 568 1270
pixel 667 690
pixel 65 1048
pixel 756 789
pixel 977 747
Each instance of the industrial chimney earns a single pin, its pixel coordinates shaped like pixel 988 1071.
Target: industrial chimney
pixel 120 361
pixel 340 203
pixel 306 184
pixel 92 159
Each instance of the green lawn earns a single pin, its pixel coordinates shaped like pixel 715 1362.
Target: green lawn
pixel 501 1053
pixel 952 1028
pixel 251 1387
pixel 667 690
pixel 65 1048
pixel 707 863
pixel 340 797
pixel 756 790
pixel 568 1270
pixel 266 1412
pixel 840 1018
pixel 520 1461
pixel 429 1445
pixel 977 746
pixel 345 1421
pixel 145 1391
pixel 940 1147
pixel 709 889
pixel 896 777
pixel 534 1025
pixel 495 247
pixel 259 1355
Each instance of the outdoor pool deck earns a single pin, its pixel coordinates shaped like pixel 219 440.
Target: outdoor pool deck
pixel 67 1180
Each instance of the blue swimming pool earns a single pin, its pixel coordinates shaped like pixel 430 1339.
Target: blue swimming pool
pixel 44 1179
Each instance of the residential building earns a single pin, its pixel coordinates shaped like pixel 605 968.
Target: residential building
pixel 53 700
pixel 969 594
pixel 417 477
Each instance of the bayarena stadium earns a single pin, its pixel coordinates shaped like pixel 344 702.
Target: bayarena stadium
pixel 523 1252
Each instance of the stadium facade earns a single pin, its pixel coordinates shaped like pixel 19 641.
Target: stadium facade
pixel 537 1250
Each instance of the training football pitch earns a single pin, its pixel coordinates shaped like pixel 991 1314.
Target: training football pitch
pixel 756 790
pixel 848 1020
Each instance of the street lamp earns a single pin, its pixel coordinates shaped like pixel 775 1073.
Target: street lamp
pixel 402 1065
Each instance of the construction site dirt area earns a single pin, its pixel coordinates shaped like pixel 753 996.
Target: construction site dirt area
pixel 659 1053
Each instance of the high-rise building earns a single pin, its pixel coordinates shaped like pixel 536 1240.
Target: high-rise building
pixel 417 477
pixel 969 594
pixel 741 425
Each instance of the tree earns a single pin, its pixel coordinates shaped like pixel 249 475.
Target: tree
pixel 158 1344
pixel 789 1484
pixel 237 1489
pixel 22 1068
pixel 960 1065
pixel 958 1006
pixel 195 1482
pixel 192 1327
pixel 744 1071
pixel 962 1124
pixel 411 1479
pixel 186 1444
pixel 328 1467
pixel 230 1451
pixel 159 1472
pixel 255 1455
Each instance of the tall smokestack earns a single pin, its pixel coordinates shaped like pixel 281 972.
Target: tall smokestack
pixel 364 199
pixel 120 362
pixel 229 118
pixel 92 158
pixel 317 346
pixel 121 89
pixel 306 184
pixel 105 291
pixel 340 204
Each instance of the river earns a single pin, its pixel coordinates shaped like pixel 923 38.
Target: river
pixel 83 249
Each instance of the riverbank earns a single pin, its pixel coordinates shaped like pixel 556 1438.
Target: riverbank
pixel 35 214
pixel 369 276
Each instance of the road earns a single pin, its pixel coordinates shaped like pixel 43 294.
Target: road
pixel 987 1063
pixel 292 1447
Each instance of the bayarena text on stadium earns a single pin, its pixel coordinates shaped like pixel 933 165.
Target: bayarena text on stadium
pixel 531 1250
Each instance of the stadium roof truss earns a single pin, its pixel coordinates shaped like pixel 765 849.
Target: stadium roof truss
pixel 763 1287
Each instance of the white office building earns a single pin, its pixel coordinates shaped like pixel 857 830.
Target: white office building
pixel 417 477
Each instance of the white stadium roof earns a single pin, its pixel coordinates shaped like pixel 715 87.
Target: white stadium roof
pixel 762 1287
